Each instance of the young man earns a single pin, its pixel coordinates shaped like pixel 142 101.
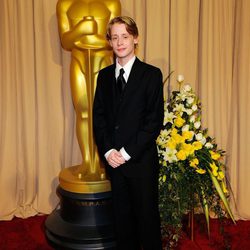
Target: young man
pixel 127 117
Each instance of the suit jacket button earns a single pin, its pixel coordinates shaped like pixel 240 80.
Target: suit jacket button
pixel 116 127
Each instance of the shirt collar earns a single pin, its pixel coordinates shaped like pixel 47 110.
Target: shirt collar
pixel 127 68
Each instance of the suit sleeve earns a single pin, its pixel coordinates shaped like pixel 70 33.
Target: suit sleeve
pixel 101 134
pixel 153 119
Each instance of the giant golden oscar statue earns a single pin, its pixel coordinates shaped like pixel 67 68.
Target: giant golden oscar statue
pixel 84 218
pixel 82 27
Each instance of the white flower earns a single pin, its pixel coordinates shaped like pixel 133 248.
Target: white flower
pixel 203 141
pixel 199 136
pixel 165 132
pixel 190 100
pixel 169 155
pixel 192 118
pixel 197 124
pixel 194 107
pixel 189 111
pixel 168 117
pixel 181 96
pixel 161 140
pixel 185 128
pixel 180 78
pixel 209 145
pixel 187 88
pixel 179 108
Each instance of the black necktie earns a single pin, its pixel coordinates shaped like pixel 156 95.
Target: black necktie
pixel 121 81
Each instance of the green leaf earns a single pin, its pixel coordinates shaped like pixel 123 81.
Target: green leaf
pixel 206 211
pixel 222 195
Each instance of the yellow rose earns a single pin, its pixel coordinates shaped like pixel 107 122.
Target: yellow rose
pixel 179 122
pixel 197 145
pixel 214 155
pixel 171 143
pixel 178 138
pixel 188 148
pixel 188 135
pixel 174 131
pixel 181 155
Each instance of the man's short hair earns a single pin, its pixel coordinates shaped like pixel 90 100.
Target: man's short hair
pixel 130 24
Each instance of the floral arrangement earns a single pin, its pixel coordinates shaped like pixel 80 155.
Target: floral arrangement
pixel 192 173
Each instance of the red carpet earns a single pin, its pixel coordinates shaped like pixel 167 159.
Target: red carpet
pixel 228 237
pixel 28 234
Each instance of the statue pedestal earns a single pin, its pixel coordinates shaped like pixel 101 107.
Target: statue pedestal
pixel 83 221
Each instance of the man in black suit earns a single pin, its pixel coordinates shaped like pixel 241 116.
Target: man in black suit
pixel 127 116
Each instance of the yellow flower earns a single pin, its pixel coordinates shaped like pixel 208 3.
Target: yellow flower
pixel 224 188
pixel 188 148
pixel 178 138
pixel 171 143
pixel 200 171
pixel 194 162
pixel 197 145
pixel 174 131
pixel 214 155
pixel 181 155
pixel 179 122
pixel 220 175
pixel 188 135
pixel 214 169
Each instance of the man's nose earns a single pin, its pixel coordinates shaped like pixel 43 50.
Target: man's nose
pixel 120 41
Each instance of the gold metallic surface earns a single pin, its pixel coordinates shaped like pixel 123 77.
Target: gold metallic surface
pixel 73 181
pixel 82 28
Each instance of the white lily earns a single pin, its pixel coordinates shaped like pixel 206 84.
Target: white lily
pixel 197 124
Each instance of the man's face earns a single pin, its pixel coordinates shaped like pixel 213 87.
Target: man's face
pixel 122 42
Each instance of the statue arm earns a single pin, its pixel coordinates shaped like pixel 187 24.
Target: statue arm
pixel 69 35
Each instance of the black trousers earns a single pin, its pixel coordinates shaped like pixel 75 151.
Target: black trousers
pixel 135 203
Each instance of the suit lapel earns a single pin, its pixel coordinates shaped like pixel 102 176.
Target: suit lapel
pixel 114 97
pixel 133 82
pixel 134 76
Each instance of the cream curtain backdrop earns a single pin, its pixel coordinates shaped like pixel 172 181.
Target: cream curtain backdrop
pixel 208 41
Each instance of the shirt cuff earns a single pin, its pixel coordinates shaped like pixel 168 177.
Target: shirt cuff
pixel 125 155
pixel 108 153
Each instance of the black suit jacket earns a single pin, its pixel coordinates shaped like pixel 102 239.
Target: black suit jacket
pixel 132 120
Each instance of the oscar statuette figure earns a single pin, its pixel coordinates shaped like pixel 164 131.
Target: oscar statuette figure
pixel 82 222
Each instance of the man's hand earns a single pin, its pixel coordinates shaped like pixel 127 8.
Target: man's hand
pixel 115 159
